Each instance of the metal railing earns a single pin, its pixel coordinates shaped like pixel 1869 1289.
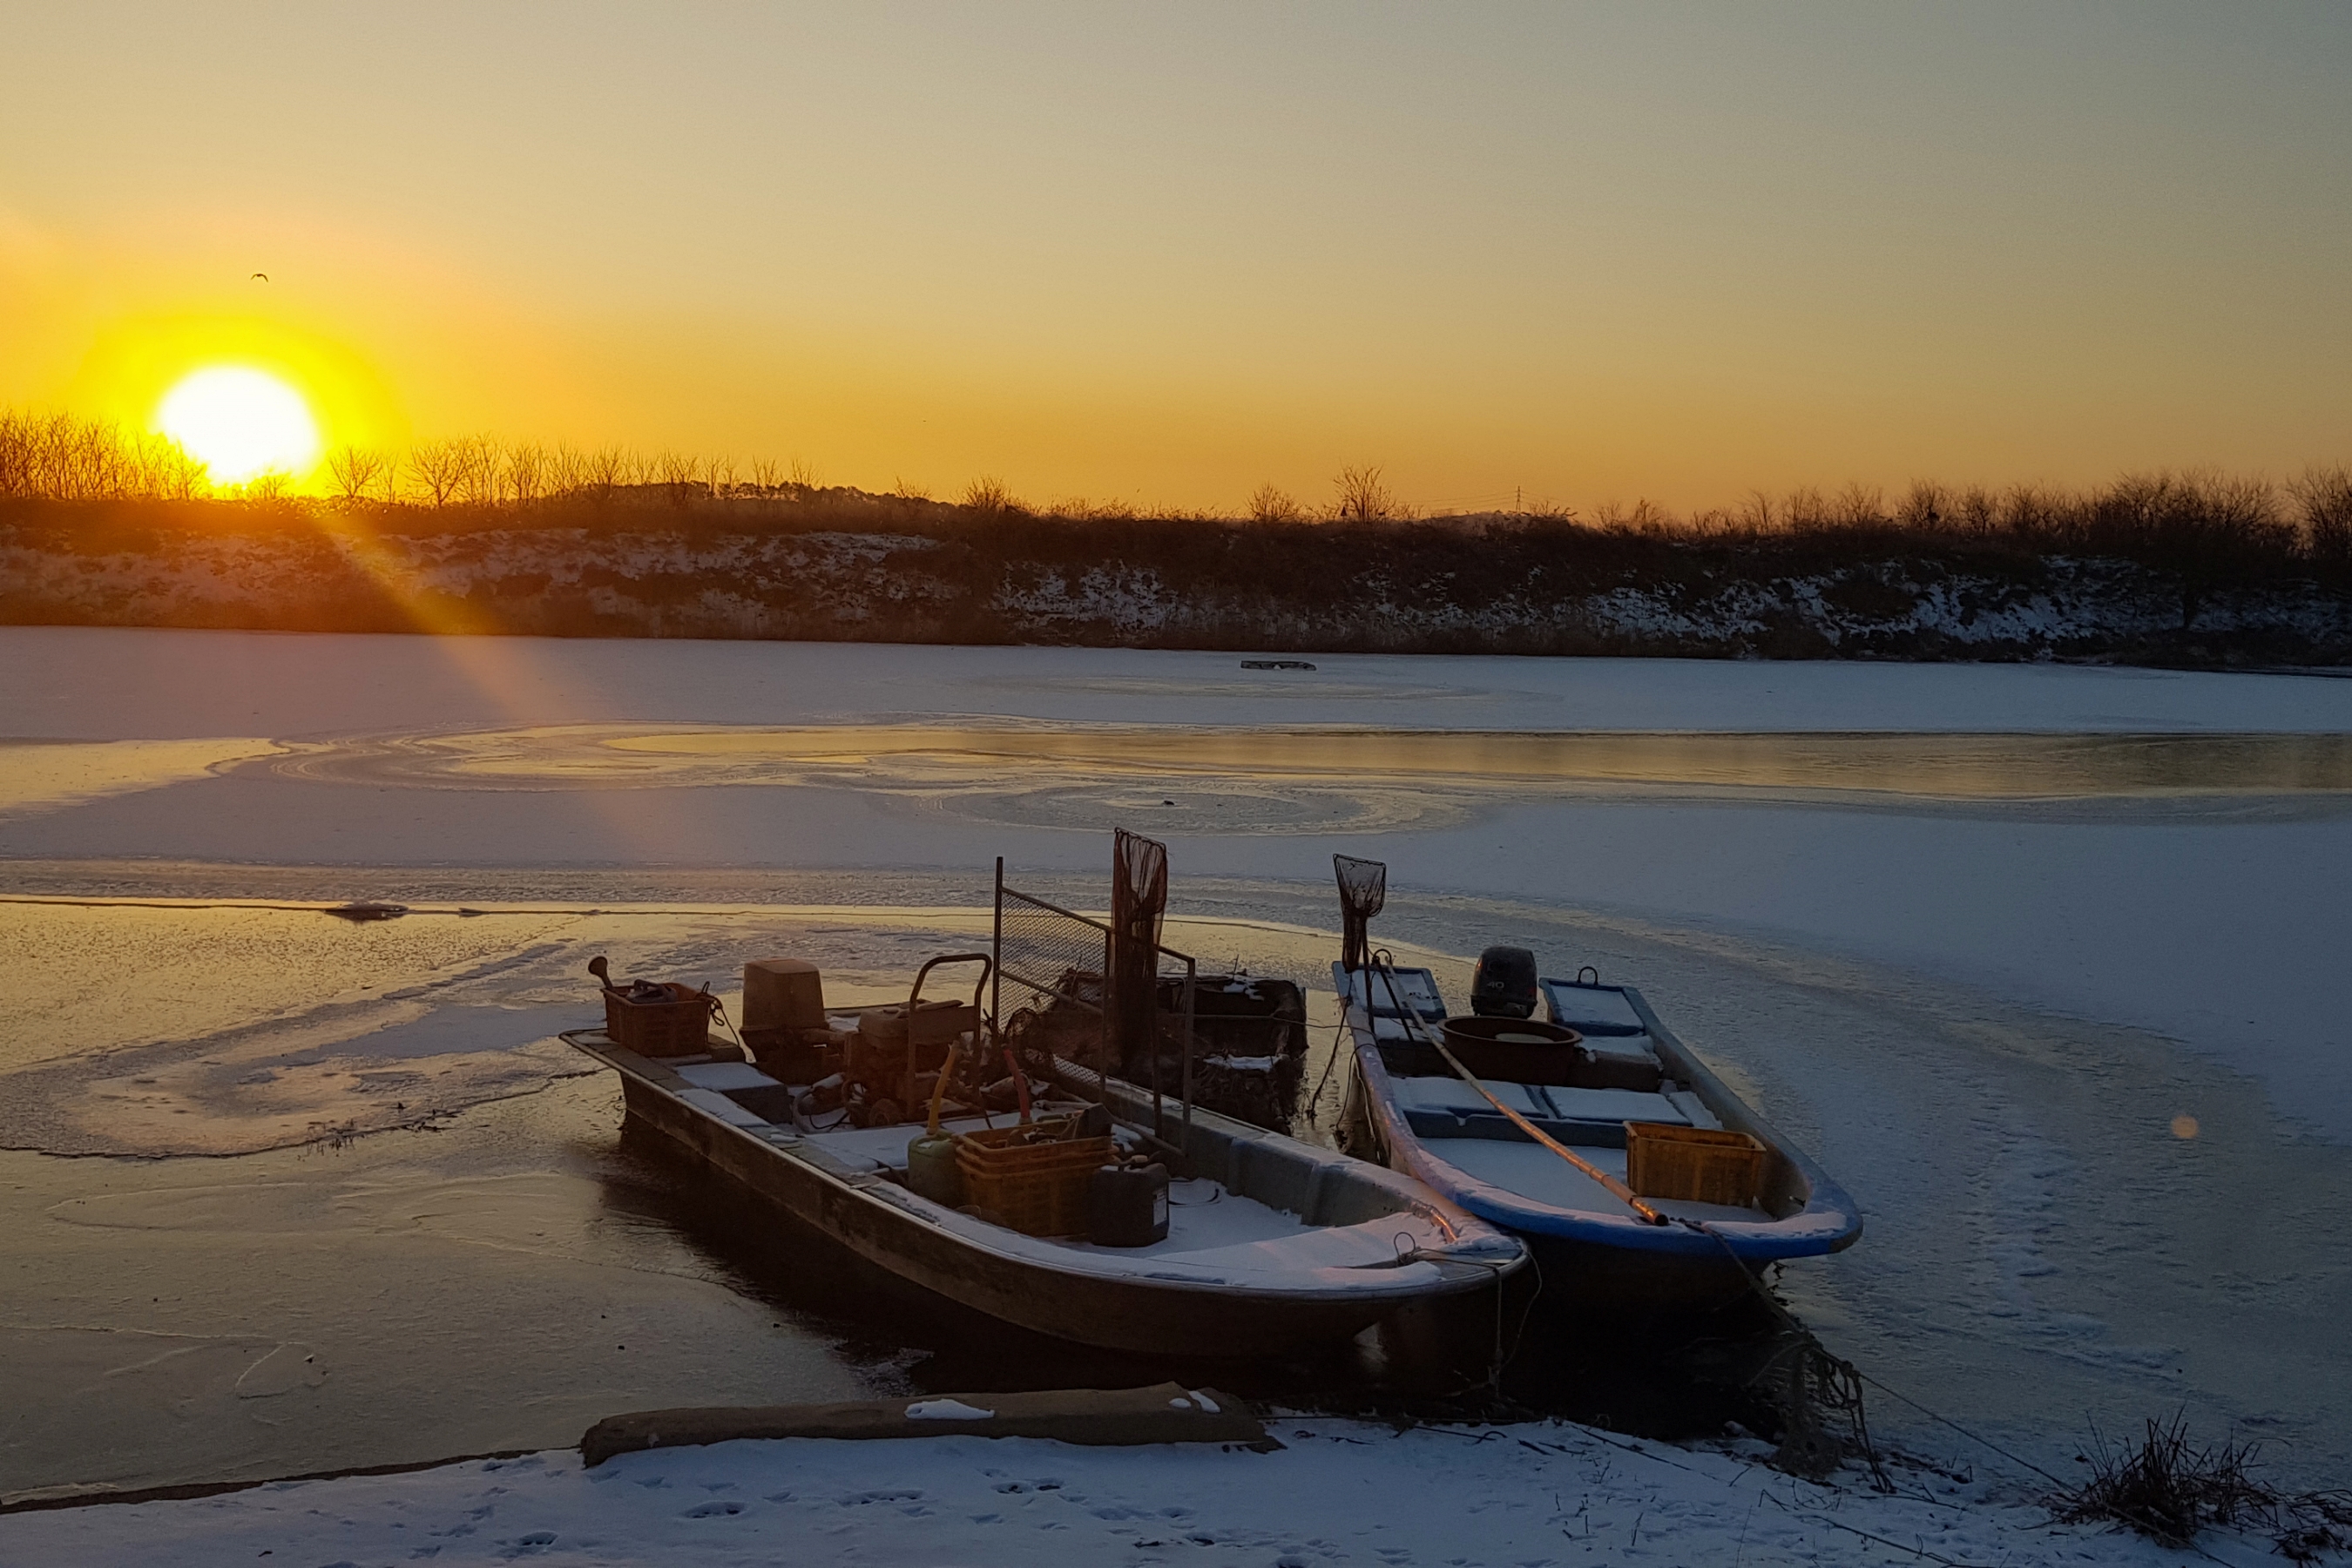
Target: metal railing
pixel 1057 962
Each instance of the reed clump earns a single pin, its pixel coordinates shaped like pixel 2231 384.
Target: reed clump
pixel 2170 1491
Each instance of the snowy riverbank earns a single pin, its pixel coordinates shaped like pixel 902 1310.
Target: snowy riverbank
pixel 1340 1492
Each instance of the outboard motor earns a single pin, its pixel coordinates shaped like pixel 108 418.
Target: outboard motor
pixel 1505 986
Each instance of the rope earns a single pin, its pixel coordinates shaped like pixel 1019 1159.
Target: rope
pixel 1314 1101
pixel 1972 1436
pixel 1413 1025
pixel 1411 1252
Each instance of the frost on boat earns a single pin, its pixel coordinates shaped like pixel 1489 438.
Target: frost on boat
pixel 985 1146
pixel 1590 1132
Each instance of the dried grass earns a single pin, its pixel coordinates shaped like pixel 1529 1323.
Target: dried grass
pixel 2169 1490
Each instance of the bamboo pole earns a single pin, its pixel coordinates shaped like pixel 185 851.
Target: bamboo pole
pixel 1413 1025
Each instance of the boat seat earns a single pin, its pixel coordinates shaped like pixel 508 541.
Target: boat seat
pixel 724 1075
pixel 1451 1094
pixel 1584 1118
pixel 1416 988
pixel 1595 1011
pixel 1611 1105
pixel 719 1105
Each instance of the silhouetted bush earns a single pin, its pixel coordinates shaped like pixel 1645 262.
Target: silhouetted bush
pixel 2171 1492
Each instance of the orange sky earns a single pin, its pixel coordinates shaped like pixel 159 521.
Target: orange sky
pixel 1168 254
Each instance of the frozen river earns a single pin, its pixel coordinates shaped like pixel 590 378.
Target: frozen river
pixel 1988 940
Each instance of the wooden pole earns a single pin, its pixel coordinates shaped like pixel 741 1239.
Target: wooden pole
pixel 1413 1025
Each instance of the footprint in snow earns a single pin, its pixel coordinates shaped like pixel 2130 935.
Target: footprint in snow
pixel 722 1510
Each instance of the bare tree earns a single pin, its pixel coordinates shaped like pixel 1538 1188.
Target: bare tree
pixel 566 471
pixel 1927 506
pixel 2325 497
pixel 991 496
pixel 526 469
pixel 1976 510
pixel 608 468
pixel 1363 498
pixel 1271 503
pixel 1803 510
pixel 803 474
pixel 353 470
pixel 58 457
pixel 441 468
pixel 1859 506
pixel 481 471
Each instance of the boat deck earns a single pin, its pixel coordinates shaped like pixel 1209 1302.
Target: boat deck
pixel 1439 1128
pixel 1274 1221
pixel 1203 1214
pixel 1531 1171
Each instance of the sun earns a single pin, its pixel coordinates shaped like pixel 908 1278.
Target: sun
pixel 240 423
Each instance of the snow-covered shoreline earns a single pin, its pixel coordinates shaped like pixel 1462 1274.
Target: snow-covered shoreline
pixel 1339 1493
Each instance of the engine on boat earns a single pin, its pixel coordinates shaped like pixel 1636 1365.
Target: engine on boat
pixel 1505 984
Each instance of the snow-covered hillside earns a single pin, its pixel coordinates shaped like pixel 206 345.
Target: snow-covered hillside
pixel 1457 595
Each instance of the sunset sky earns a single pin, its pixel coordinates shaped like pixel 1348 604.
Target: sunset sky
pixel 1166 253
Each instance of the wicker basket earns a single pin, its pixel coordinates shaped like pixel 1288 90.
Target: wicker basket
pixel 1697 1164
pixel 1038 1189
pixel 679 1027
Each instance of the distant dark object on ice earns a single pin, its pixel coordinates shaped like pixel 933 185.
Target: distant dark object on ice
pixel 367 909
pixel 1276 664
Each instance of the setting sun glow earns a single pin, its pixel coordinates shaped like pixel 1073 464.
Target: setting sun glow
pixel 240 423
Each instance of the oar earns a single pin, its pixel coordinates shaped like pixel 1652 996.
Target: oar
pixel 1414 1026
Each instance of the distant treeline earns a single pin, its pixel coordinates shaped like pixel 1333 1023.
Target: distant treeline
pixel 2195 567
pixel 2197 522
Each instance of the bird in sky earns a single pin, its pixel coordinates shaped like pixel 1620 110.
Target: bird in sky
pixel 261 278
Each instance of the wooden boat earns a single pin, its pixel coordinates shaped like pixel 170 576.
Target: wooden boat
pixel 1273 1245
pixel 1527 1127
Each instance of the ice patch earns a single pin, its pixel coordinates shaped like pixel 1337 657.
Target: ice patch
pixel 947 1410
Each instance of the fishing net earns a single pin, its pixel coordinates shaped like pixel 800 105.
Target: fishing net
pixel 1139 897
pixel 1363 889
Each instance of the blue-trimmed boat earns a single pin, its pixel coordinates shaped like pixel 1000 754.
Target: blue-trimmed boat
pixel 1526 1125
